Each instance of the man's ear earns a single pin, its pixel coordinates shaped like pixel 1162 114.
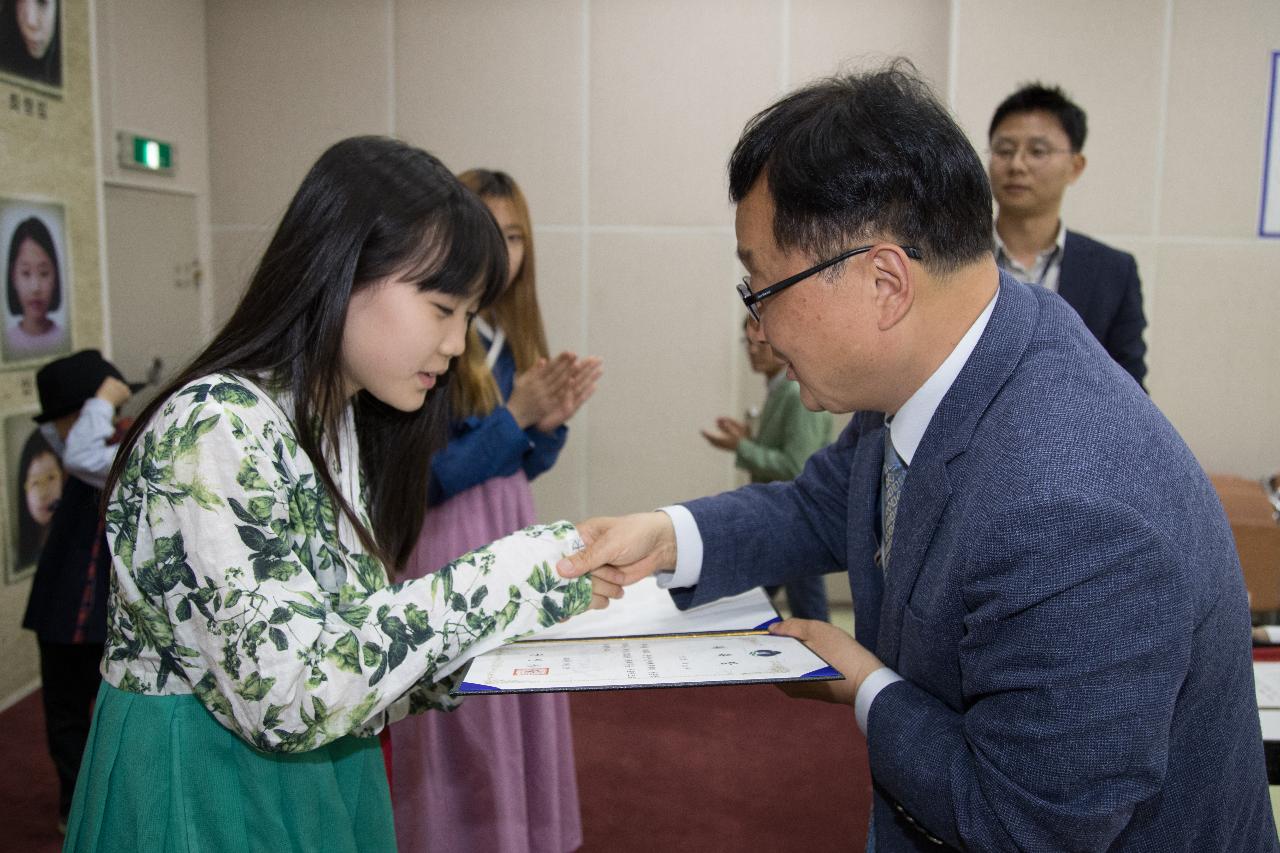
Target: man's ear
pixel 1078 162
pixel 894 284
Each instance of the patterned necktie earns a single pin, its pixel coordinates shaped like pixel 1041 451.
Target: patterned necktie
pixel 892 476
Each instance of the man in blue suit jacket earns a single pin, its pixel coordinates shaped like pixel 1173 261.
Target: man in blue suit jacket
pixel 1037 150
pixel 1052 647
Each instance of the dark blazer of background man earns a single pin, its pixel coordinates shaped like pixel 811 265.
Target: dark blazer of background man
pixel 1053 649
pixel 1037 150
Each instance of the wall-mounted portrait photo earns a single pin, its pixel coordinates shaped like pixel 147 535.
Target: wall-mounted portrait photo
pixel 37 281
pixel 34 479
pixel 31 43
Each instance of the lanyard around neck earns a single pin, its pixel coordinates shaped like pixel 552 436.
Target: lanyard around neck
pixel 497 339
pixel 1048 264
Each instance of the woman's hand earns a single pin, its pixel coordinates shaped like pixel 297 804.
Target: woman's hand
pixel 583 376
pixel 539 390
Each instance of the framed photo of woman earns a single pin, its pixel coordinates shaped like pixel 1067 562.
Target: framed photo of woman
pixel 37 321
pixel 33 486
pixel 31 44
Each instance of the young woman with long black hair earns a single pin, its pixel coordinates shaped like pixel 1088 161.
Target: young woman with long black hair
pixel 255 639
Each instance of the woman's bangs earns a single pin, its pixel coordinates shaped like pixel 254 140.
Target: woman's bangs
pixel 462 255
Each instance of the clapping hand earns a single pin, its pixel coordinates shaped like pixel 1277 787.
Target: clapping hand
pixel 552 390
pixel 731 433
pixel 537 391
pixel 577 389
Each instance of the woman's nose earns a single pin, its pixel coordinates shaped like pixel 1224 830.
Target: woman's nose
pixel 455 341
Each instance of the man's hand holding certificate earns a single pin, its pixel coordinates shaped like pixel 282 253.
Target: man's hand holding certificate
pixel 624 549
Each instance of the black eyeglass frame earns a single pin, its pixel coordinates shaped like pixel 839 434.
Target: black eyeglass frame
pixel 752 299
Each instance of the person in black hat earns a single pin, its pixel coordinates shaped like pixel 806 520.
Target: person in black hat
pixel 80 396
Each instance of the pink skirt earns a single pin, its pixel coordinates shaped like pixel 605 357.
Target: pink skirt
pixel 497 774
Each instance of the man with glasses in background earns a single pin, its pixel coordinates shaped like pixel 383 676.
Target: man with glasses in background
pixel 1051 645
pixel 1037 151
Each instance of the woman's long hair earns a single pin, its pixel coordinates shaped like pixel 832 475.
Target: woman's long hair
pixel 370 208
pixel 516 310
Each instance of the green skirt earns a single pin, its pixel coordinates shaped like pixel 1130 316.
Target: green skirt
pixel 161 774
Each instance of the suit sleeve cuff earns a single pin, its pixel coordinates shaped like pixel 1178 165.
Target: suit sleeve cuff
pixel 688 550
pixel 870 689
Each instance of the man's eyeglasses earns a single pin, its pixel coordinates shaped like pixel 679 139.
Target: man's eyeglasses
pixel 1036 153
pixel 752 300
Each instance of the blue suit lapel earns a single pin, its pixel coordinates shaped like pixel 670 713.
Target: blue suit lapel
pixel 866 581
pixel 928 486
pixel 924 496
pixel 1076 275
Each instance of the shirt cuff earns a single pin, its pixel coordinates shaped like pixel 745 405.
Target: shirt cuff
pixel 688 550
pixel 870 689
pixel 1273 633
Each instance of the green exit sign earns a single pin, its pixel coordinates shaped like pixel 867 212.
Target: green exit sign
pixel 144 153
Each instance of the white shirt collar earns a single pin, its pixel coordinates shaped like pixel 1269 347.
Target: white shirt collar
pixel 1059 242
pixel 483 327
pixel 907 427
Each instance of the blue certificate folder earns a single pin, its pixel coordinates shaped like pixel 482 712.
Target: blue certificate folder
pixel 643 640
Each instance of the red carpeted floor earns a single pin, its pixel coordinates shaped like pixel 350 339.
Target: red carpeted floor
pixel 719 768
pixel 703 768
pixel 28 786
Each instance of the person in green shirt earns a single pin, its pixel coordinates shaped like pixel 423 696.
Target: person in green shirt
pixel 787 435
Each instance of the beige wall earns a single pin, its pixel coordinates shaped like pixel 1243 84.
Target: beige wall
pixel 50 159
pixel 147 76
pixel 618 116
pixel 1176 92
pixel 151 80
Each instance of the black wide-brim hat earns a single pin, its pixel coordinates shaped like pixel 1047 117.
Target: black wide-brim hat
pixel 65 384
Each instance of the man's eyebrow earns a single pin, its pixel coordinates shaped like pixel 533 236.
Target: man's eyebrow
pixel 1001 137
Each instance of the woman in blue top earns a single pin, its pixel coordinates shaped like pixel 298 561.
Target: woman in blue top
pixel 497 774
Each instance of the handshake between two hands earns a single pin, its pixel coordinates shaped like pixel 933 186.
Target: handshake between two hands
pixel 620 551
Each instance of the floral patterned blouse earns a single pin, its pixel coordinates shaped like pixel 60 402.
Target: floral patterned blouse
pixel 236 579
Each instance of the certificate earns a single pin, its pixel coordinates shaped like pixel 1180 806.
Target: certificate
pixel 1266 682
pixel 648 642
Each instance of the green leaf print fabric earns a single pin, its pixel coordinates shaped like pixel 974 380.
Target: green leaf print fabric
pixel 237 580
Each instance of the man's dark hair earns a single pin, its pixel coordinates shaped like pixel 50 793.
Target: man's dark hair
pixel 867 156
pixel 1037 97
